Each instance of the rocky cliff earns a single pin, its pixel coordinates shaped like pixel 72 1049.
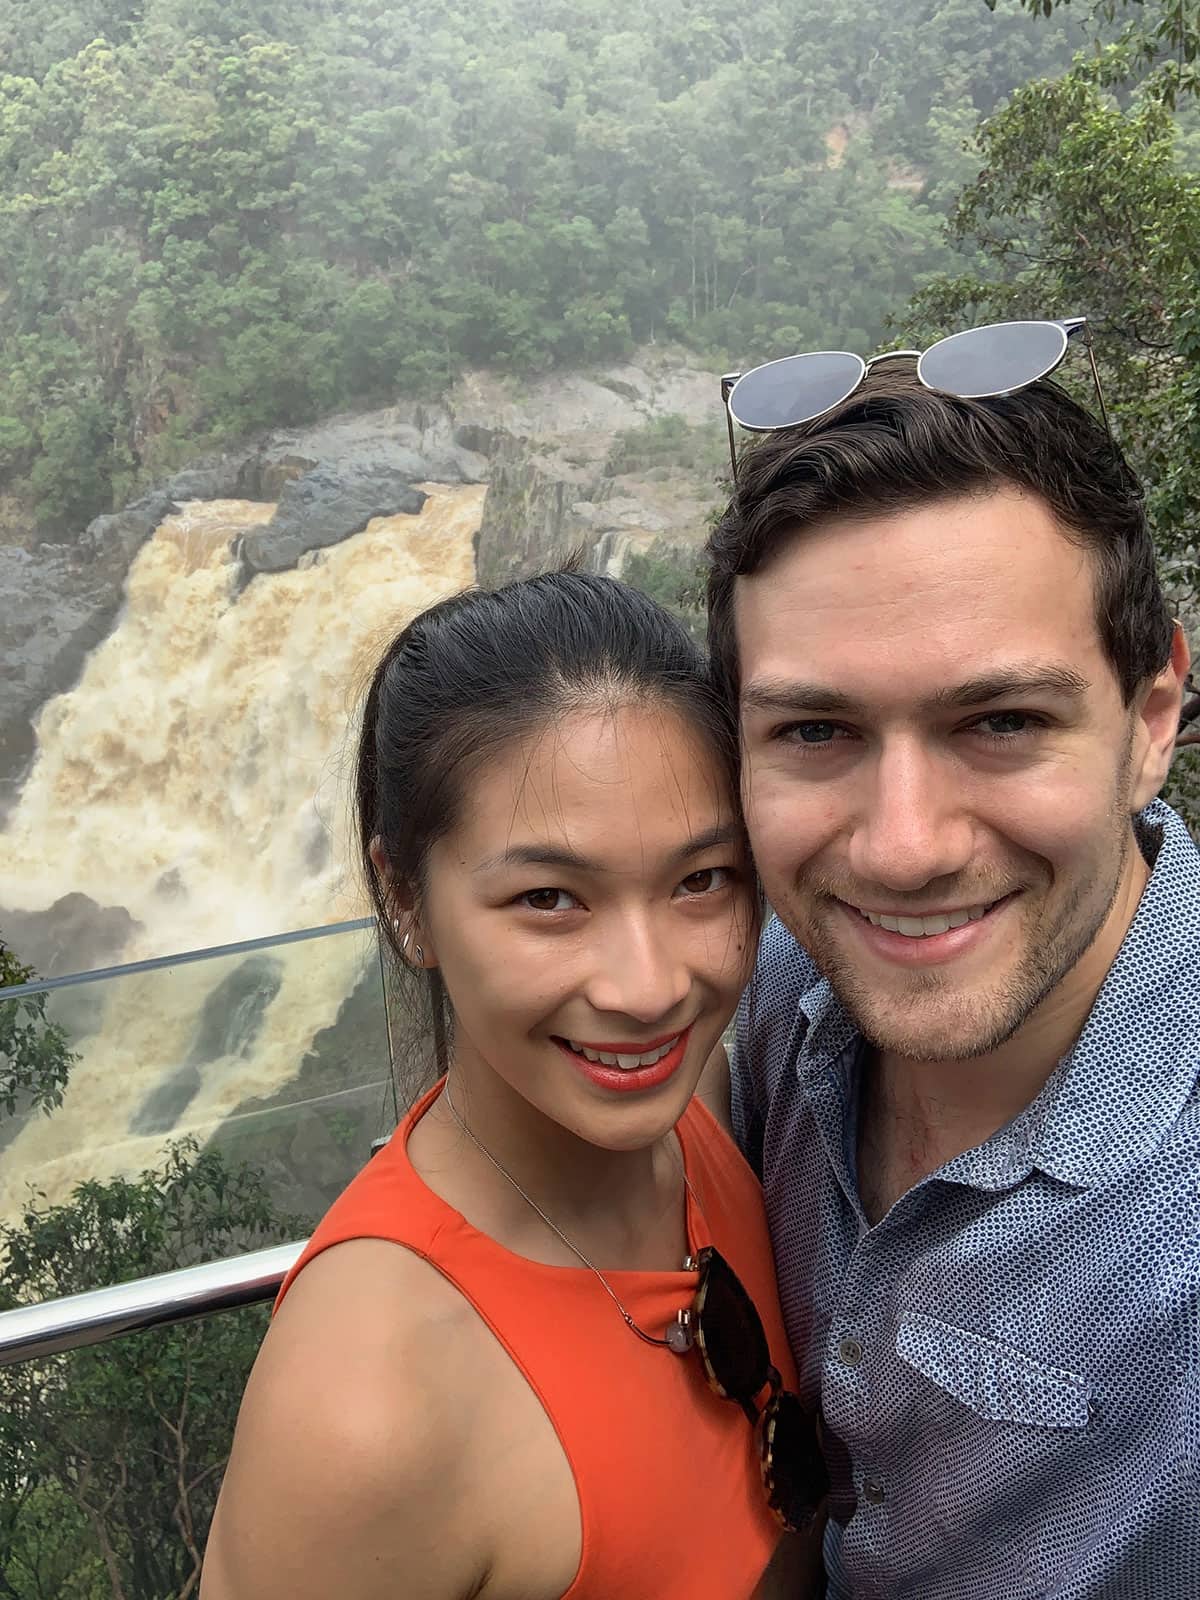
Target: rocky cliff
pixel 549 451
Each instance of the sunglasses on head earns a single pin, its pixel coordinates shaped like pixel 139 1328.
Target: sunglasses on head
pixel 727 1332
pixel 978 364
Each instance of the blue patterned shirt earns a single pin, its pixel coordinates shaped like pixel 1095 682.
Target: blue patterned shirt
pixel 1008 1364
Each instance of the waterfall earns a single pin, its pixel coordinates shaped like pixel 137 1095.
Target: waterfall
pixel 198 775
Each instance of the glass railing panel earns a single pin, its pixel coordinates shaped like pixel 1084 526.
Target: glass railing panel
pixel 271 1055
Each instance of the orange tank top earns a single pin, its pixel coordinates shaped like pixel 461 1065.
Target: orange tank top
pixel 670 1492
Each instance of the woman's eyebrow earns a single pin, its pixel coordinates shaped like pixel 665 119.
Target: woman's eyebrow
pixel 549 855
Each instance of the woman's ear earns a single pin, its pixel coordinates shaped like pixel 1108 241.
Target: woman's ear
pixel 407 933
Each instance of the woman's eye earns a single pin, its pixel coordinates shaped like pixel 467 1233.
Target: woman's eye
pixel 548 900
pixel 706 881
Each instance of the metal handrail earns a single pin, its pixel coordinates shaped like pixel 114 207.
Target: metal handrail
pixel 30 1333
pixel 184 958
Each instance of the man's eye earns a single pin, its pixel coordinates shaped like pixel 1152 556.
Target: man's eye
pixel 548 900
pixel 810 732
pixel 706 881
pixel 1005 724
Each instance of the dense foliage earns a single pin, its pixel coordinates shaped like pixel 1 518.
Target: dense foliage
pixel 216 216
pixel 35 1054
pixel 111 1457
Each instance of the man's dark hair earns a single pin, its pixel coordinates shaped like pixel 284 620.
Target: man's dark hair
pixel 894 445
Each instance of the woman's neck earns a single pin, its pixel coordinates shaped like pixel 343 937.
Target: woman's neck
pixel 621 1208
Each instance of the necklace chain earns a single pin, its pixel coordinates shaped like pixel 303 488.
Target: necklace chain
pixel 648 1338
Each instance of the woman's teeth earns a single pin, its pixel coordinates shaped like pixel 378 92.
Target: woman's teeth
pixel 625 1062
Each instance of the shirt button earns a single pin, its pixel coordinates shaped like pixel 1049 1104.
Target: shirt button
pixel 850 1351
pixel 872 1492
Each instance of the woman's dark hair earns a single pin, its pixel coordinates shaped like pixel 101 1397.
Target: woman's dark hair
pixel 894 445
pixel 477 671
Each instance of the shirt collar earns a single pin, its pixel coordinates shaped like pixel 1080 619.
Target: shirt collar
pixel 1112 1099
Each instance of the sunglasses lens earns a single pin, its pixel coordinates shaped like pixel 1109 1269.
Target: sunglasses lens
pixel 731 1334
pixel 794 1471
pixel 993 360
pixel 795 389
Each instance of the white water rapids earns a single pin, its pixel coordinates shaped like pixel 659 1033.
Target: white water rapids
pixel 198 775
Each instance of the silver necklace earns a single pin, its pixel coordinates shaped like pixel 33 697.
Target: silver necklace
pixel 679 1334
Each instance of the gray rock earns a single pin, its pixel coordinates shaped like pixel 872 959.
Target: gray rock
pixel 56 605
pixel 119 535
pixel 533 516
pixel 476 437
pixel 73 935
pixel 206 481
pixel 326 506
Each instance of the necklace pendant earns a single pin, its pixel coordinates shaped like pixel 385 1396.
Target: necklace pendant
pixel 679 1334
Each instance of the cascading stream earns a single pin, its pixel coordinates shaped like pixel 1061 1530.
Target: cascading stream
pixel 198 775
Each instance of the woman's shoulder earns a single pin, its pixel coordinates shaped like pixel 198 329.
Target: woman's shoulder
pixel 350 1437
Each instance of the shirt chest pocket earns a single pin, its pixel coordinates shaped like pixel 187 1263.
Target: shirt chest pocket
pixel 995 1381
pixel 1000 1433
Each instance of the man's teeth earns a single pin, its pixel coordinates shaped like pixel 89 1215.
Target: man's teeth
pixel 625 1062
pixel 925 927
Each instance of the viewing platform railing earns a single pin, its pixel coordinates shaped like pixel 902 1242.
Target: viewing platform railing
pixel 326 1117
pixel 30 1333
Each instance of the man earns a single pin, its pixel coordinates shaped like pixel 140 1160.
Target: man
pixel 967 1065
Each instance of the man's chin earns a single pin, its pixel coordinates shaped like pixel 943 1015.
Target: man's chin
pixel 926 1016
pixel 935 1038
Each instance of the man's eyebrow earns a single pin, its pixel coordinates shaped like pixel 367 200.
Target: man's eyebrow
pixel 549 855
pixel 1039 678
pixel 780 695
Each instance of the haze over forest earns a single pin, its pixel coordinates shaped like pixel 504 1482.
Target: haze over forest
pixel 216 217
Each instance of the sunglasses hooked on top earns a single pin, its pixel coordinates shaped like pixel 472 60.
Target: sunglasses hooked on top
pixel 724 1327
pixel 980 363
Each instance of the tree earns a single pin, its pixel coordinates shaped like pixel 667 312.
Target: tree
pixel 35 1055
pixel 110 1458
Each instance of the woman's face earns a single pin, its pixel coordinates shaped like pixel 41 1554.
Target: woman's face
pixel 591 916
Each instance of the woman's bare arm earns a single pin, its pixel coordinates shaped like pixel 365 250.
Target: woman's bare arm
pixel 343 1476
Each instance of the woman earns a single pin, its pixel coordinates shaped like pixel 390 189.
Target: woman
pixel 493 1372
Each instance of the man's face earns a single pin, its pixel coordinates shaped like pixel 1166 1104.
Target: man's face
pixel 939 768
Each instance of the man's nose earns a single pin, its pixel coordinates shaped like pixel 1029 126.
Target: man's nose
pixel 912 824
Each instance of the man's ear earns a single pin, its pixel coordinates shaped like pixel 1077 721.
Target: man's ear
pixel 1157 724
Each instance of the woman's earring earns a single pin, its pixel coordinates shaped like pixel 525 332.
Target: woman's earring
pixel 418 955
pixel 395 924
pixel 406 938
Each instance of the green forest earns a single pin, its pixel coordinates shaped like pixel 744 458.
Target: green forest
pixel 222 215
pixel 219 216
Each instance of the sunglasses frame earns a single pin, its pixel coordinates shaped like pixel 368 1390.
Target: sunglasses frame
pixel 1069 328
pixel 764 1419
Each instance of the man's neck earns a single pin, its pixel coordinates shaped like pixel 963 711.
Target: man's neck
pixel 918 1115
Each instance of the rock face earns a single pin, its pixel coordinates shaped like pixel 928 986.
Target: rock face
pixel 536 514
pixel 59 602
pixel 73 935
pixel 326 506
pixel 543 447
